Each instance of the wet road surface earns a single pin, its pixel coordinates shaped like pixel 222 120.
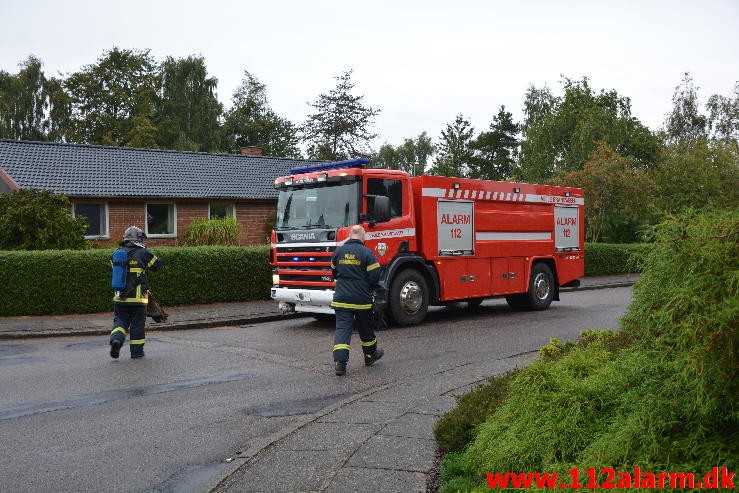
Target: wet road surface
pixel 73 419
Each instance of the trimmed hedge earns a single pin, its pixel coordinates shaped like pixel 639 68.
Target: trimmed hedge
pixel 602 259
pixel 49 282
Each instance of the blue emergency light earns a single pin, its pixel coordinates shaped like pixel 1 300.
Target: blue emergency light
pixel 351 163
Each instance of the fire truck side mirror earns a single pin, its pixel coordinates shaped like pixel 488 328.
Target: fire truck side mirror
pixel 381 209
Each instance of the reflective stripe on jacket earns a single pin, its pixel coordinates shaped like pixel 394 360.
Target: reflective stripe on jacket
pixel 356 271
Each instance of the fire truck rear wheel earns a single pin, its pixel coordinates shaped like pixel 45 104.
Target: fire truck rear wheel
pixel 409 298
pixel 540 293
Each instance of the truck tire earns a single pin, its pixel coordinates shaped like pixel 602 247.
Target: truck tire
pixel 540 293
pixel 324 318
pixel 409 298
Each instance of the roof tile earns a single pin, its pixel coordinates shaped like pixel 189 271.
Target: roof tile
pixel 97 171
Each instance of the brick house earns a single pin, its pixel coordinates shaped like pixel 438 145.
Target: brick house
pixel 160 191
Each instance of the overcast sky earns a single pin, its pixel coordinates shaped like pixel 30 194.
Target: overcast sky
pixel 420 62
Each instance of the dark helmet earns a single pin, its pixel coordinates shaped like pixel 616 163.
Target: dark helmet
pixel 134 234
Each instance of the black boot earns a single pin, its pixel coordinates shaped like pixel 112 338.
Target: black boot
pixel 340 367
pixel 115 348
pixel 369 359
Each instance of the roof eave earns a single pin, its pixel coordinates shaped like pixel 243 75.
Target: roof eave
pixel 8 179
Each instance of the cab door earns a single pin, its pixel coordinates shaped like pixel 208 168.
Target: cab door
pixel 388 238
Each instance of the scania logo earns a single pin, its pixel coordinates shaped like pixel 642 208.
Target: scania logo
pixel 302 236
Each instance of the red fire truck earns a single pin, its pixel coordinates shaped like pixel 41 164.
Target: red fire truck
pixel 439 240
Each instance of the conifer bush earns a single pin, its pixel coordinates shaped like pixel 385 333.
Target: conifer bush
pixel 661 394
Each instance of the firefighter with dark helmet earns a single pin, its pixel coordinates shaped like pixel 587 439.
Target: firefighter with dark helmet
pixel 130 303
pixel 357 272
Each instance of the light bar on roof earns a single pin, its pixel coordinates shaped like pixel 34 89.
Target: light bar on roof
pixel 351 163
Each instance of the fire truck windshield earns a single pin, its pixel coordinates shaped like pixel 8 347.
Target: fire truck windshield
pixel 329 206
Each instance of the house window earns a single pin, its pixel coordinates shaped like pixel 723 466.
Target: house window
pixel 96 215
pixel 161 220
pixel 221 210
pixel 393 189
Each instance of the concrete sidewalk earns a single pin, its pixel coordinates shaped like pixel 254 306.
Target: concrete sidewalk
pixel 378 441
pixel 199 316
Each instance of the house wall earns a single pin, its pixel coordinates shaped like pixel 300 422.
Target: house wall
pixel 121 215
pixel 253 216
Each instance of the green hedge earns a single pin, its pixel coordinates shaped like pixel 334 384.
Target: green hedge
pixel 50 282
pixel 602 259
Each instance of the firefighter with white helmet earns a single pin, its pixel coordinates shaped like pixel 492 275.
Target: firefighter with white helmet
pixel 131 301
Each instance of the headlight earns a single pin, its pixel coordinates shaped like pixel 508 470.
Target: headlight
pixel 275 279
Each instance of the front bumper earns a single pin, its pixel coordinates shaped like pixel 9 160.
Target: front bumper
pixel 304 300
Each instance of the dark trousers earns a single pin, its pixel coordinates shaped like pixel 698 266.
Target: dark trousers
pixel 345 320
pixel 129 317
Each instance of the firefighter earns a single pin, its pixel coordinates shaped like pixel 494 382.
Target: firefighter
pixel 130 304
pixel 356 271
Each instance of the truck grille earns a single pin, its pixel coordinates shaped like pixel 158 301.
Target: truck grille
pixel 305 266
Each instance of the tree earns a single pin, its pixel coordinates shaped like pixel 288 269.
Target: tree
pixel 25 102
pixel 495 152
pixel 701 175
pixel 423 149
pixel 341 126
pixel 537 105
pixel 106 96
pixel 411 156
pixel 387 157
pixel 616 191
pixel 685 123
pixel 724 116
pixel 60 111
pixel 251 122
pixel 187 108
pixel 39 220
pixel 143 134
pixel 560 133
pixel 454 149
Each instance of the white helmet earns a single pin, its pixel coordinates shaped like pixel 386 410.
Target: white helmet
pixel 135 235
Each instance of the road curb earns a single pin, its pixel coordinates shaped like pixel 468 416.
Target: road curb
pixel 223 322
pixel 200 324
pixel 624 284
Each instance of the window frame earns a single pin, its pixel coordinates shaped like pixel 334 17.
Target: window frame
pixel 402 193
pixel 174 220
pixel 232 204
pixel 101 236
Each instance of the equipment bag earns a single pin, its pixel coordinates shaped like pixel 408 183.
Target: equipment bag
pixel 155 311
pixel 120 270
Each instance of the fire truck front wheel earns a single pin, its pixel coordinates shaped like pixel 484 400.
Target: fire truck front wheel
pixel 540 293
pixel 409 297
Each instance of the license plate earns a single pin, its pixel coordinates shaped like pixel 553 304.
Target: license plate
pixel 303 296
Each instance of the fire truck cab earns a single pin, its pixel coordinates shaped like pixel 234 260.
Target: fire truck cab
pixel 438 239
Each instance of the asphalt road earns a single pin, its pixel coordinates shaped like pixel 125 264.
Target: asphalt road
pixel 73 419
